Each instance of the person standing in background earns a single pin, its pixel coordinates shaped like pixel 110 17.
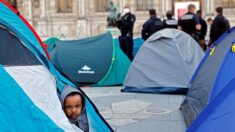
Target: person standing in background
pixel 152 25
pixel 209 21
pixel 126 24
pixel 202 31
pixel 170 22
pixel 190 23
pixel 219 26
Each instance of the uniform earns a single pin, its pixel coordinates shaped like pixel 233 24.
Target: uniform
pixel 152 25
pixel 170 23
pixel 218 27
pixel 188 23
pixel 126 24
pixel 202 33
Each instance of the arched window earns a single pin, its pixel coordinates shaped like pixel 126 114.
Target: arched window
pixel 143 5
pixel 228 3
pixel 101 5
pixel 65 6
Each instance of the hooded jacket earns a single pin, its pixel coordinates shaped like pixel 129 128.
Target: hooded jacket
pixel 82 120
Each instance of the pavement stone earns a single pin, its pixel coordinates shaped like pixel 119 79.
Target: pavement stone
pixel 153 126
pixel 138 112
pixel 129 106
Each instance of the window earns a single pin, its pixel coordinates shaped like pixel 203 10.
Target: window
pixel 143 5
pixel 228 3
pixel 101 5
pixel 65 6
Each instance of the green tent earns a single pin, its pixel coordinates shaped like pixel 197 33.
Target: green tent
pixel 93 61
pixel 51 42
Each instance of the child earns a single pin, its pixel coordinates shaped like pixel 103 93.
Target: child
pixel 73 104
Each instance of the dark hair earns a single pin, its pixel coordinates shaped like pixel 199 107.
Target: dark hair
pixel 77 93
pixel 219 10
pixel 152 12
pixel 169 14
pixel 199 12
pixel 209 19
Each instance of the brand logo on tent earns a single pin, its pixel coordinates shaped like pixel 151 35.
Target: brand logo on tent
pixel 86 70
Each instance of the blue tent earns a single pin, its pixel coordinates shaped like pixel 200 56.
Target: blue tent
pixel 138 42
pixel 209 105
pixel 29 83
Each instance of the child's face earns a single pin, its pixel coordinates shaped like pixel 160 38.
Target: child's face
pixel 73 106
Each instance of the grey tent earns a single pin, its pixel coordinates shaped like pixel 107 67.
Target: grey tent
pixel 164 64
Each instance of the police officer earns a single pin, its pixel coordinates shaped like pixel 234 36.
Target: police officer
pixel 125 25
pixel 202 31
pixel 219 25
pixel 170 22
pixel 152 25
pixel 190 23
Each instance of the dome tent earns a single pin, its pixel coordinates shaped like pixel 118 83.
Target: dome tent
pixel 29 81
pixel 164 64
pixel 209 105
pixel 93 60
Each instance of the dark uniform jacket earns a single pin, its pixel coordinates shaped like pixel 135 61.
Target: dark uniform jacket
pixel 218 27
pixel 170 23
pixel 188 23
pixel 152 25
pixel 203 28
pixel 126 24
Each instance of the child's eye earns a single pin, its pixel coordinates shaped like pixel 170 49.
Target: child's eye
pixel 78 106
pixel 68 107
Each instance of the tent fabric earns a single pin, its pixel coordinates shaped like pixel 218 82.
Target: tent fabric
pixel 21 27
pixel 138 42
pixel 208 105
pixel 118 69
pixel 94 60
pixel 18 112
pixel 18 62
pixel 164 64
pixel 51 42
pixel 84 61
pixel 26 111
pixel 12 52
pixel 40 85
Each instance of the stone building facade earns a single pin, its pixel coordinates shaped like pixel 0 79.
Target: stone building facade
pixel 71 19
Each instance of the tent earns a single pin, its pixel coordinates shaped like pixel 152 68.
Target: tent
pixel 138 42
pixel 51 42
pixel 164 64
pixel 30 84
pixel 209 105
pixel 94 60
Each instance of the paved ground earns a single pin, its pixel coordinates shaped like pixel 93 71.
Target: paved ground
pixel 135 112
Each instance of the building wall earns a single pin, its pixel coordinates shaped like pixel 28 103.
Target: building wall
pixel 84 19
